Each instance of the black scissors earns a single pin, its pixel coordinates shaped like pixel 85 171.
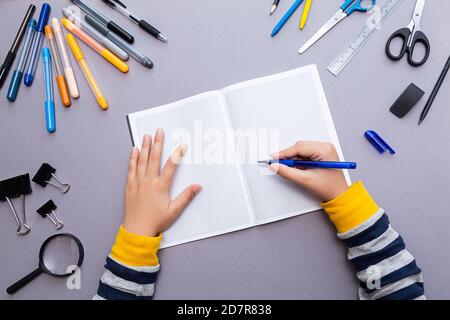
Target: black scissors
pixel 411 36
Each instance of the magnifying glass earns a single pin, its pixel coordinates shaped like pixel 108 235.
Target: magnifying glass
pixel 60 256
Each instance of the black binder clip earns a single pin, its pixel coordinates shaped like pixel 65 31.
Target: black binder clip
pixel 45 173
pixel 377 142
pixel 48 210
pixel 16 187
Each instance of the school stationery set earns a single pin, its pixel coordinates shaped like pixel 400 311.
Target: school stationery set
pixel 411 36
pixel 102 35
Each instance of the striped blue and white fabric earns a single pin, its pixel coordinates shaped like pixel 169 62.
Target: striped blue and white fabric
pixel 385 269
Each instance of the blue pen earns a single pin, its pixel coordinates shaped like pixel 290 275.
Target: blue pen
pixel 312 164
pixel 286 17
pixel 18 73
pixel 49 100
pixel 37 44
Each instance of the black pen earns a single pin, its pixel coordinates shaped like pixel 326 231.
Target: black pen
pixel 274 6
pixel 9 60
pixel 435 91
pixel 120 7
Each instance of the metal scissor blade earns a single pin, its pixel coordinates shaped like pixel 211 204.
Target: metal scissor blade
pixel 418 10
pixel 338 17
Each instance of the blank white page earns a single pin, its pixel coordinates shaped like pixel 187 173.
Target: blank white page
pixel 223 205
pixel 294 104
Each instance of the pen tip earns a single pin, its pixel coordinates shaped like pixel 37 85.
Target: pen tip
pixel 272 10
pixel 162 37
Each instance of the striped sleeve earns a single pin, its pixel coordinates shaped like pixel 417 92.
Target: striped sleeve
pixel 385 268
pixel 131 270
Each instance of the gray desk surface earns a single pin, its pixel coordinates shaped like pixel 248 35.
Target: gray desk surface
pixel 213 44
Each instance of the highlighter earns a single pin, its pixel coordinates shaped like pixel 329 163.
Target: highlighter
pixel 49 100
pixel 16 79
pixel 60 79
pixel 78 54
pixel 68 70
pixel 97 47
pixel 37 44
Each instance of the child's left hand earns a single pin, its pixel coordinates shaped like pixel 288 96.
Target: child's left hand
pixel 148 207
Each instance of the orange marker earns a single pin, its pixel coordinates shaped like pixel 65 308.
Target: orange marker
pixel 97 47
pixel 60 79
pixel 86 71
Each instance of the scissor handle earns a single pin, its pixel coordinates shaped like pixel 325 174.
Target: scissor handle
pixel 348 8
pixel 404 35
pixel 419 37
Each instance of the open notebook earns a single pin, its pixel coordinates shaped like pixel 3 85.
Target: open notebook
pixel 218 128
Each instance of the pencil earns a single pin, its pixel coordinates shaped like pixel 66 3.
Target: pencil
pixel 305 14
pixel 78 54
pixel 435 91
pixel 97 47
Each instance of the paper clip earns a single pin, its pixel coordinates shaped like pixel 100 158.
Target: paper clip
pixel 19 186
pixel 45 173
pixel 47 210
pixel 377 142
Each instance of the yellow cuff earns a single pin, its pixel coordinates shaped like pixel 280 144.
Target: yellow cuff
pixel 135 250
pixel 351 208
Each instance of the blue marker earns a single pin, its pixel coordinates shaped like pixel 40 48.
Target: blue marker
pixel 18 73
pixel 37 44
pixel 313 164
pixel 49 100
pixel 286 17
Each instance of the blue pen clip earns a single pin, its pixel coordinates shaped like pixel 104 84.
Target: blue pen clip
pixel 378 142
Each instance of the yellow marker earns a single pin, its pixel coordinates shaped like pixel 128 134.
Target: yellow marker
pixel 97 47
pixel 305 13
pixel 86 71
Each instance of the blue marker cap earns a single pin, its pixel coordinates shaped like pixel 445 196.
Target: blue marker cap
pixel 32 23
pixel 378 142
pixel 43 17
pixel 46 55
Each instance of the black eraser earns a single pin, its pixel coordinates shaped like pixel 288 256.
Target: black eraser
pixel 407 100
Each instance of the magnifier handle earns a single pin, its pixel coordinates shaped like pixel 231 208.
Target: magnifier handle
pixel 24 281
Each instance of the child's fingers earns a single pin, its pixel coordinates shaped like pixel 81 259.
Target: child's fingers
pixel 293 174
pixel 132 164
pixel 171 165
pixel 143 155
pixel 181 202
pixel 308 149
pixel 155 154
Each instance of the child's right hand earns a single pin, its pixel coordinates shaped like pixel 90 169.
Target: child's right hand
pixel 325 184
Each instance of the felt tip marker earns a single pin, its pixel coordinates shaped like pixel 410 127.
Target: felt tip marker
pixel 95 34
pixel 16 79
pixel 60 79
pixel 78 54
pixel 49 100
pixel 111 25
pixel 312 164
pixel 67 65
pixel 147 62
pixel 37 44
pixel 97 47
pixel 11 56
